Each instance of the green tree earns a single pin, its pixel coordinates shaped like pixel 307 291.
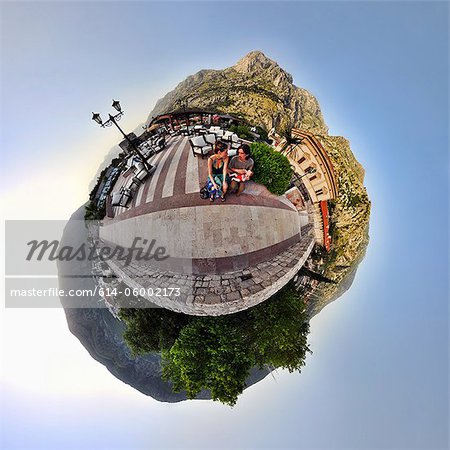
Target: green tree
pixel 151 329
pixel 210 353
pixel 243 131
pixel 280 331
pixel 217 353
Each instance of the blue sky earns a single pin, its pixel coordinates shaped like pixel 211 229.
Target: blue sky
pixel 378 377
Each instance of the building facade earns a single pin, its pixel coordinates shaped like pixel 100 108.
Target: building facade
pixel 316 179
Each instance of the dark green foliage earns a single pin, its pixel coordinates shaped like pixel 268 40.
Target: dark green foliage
pixel 287 132
pixel 115 163
pixel 217 353
pixel 97 184
pixel 152 329
pixel 263 136
pixel 243 131
pixel 281 330
pixel 272 169
pixel 118 159
pixel 93 212
pixel 210 353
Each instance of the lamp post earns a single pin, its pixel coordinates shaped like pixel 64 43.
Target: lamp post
pixel 113 120
pixel 308 171
pixel 183 104
pixel 300 185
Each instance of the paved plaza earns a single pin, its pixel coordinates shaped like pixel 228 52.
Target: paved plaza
pixel 224 257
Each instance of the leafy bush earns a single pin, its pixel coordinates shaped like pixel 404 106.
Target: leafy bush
pixel 272 169
pixel 151 330
pixel 263 136
pixel 210 353
pixel 93 212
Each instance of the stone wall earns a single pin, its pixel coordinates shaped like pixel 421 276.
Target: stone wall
pixel 216 294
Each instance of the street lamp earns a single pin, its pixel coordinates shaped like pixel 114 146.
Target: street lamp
pixel 113 120
pixel 183 104
pixel 308 171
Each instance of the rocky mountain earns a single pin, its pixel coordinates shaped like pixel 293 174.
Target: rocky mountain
pixel 349 217
pixel 255 88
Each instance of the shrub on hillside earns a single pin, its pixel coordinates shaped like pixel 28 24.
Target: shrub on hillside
pixel 243 131
pixel 263 136
pixel 94 212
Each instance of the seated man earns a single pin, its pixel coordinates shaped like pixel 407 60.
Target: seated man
pixel 240 169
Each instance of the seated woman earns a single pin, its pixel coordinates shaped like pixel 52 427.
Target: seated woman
pixel 217 172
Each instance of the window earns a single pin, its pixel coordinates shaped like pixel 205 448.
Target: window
pixel 301 187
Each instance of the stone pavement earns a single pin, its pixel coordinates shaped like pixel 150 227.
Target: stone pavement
pixel 215 294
